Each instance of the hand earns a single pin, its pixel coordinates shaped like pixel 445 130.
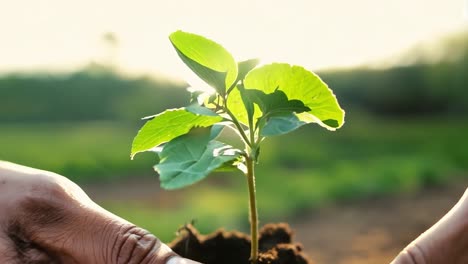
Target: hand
pixel 46 218
pixel 445 242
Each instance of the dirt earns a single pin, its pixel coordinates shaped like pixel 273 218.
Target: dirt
pixel 368 231
pixel 373 230
pixel 276 246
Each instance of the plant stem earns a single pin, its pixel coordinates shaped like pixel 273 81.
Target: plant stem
pixel 238 126
pixel 253 210
pixel 250 159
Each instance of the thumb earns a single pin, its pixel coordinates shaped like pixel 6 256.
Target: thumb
pixel 444 242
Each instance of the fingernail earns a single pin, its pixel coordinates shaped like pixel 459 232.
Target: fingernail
pixel 174 260
pixel 179 260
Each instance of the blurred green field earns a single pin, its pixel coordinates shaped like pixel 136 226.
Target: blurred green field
pixel 311 168
pixel 368 157
pixel 405 129
pixel 84 151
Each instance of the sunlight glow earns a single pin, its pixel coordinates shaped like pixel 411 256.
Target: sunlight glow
pixel 58 35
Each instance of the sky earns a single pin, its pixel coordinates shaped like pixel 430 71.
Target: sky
pixel 64 34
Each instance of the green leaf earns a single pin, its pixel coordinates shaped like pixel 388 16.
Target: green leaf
pixel 229 166
pixel 275 102
pixel 300 84
pixel 271 105
pixel 200 110
pixel 239 105
pixel 206 58
pixel 195 95
pixel 167 126
pixel 214 78
pixel 190 158
pixel 248 103
pixel 245 67
pixel 281 124
pixel 216 130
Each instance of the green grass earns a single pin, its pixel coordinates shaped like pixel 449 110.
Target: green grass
pixel 311 167
pixel 84 151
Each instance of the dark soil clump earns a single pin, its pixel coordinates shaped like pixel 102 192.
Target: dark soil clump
pixel 223 247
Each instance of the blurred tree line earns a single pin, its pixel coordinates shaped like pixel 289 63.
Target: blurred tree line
pixel 99 93
pixel 434 82
pixel 94 93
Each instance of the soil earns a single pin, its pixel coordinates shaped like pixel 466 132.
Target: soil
pixel 275 244
pixel 373 230
pixel 369 231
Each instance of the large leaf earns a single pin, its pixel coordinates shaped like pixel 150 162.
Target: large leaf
pixel 191 157
pixel 167 126
pixel 208 59
pixel 296 83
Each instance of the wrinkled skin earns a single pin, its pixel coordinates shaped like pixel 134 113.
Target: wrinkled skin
pixel 46 218
pixel 445 242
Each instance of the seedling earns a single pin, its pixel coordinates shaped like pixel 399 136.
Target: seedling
pixel 256 102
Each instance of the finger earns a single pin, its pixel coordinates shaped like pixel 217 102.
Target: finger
pixel 445 242
pixel 179 260
pixel 410 255
pixel 163 255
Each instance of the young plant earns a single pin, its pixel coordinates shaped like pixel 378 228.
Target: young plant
pixel 256 102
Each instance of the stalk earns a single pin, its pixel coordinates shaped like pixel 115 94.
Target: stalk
pixel 250 158
pixel 253 210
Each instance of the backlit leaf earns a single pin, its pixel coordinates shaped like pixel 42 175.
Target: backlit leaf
pixel 245 66
pixel 168 125
pixel 206 58
pixel 298 83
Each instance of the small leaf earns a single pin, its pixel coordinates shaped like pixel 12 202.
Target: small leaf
pixel 298 83
pixel 248 103
pixel 212 98
pixel 281 124
pixel 240 108
pixel 216 130
pixel 167 126
pixel 195 95
pixel 275 102
pixel 190 158
pixel 200 110
pixel 229 166
pixel 206 58
pixel 245 67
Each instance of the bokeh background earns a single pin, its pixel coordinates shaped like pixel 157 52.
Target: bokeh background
pixel 77 76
